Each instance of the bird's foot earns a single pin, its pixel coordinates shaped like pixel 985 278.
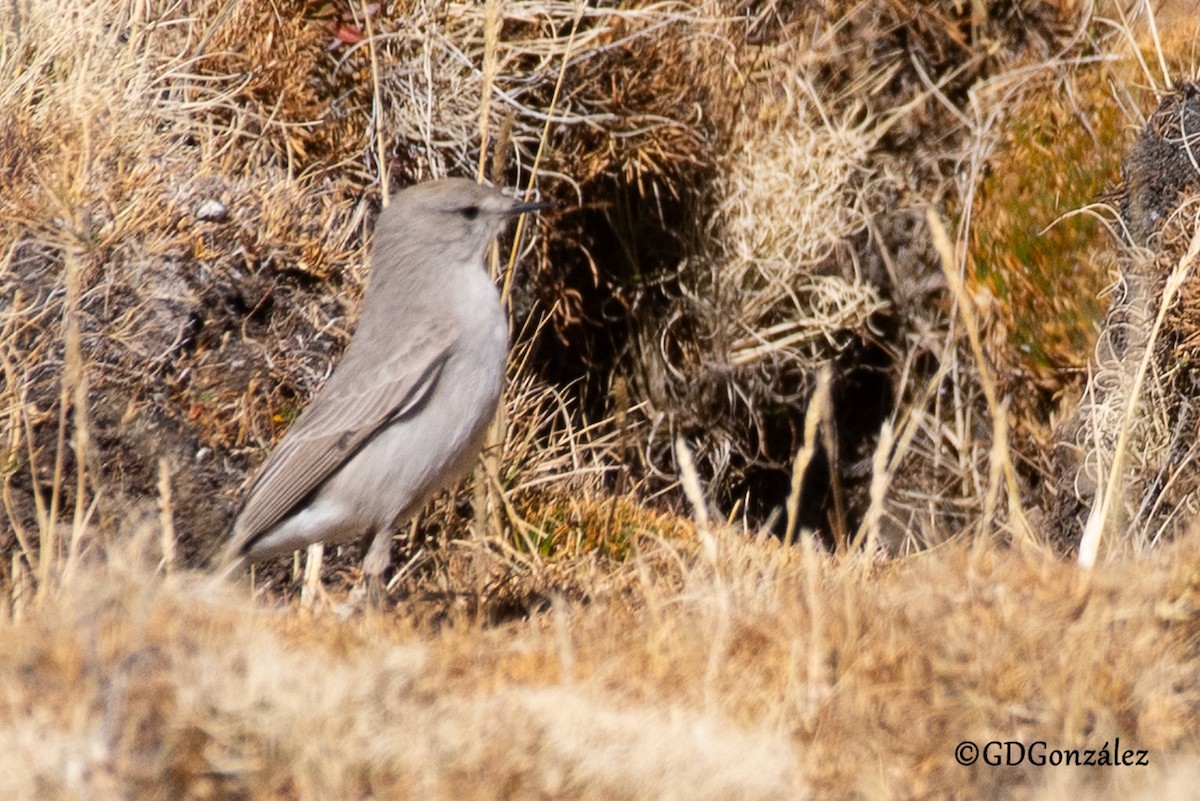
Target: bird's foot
pixel 376 589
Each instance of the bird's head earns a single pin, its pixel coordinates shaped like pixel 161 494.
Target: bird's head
pixel 454 213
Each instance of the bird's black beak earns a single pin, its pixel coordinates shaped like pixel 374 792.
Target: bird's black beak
pixel 529 208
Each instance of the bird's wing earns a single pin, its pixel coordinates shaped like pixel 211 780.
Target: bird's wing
pixel 342 418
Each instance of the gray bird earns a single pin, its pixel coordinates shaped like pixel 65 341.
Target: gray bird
pixel 404 413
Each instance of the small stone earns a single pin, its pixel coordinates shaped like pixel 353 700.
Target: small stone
pixel 212 211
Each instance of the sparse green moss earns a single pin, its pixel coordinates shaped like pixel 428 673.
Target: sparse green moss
pixel 562 525
pixel 1033 251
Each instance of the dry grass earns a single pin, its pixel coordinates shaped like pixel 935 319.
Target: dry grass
pixel 751 193
pixel 1125 458
pixel 769 672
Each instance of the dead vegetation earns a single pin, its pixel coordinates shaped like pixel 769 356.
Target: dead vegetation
pixel 756 671
pixel 1128 454
pixel 809 257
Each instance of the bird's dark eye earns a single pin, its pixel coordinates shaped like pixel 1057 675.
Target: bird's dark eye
pixel 470 212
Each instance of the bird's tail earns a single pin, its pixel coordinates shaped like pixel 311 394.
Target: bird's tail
pixel 226 559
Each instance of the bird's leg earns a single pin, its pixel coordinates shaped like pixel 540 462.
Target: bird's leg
pixel 376 561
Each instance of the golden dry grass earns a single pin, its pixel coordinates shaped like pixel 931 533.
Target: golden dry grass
pixel 767 672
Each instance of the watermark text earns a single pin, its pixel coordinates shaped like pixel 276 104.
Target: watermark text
pixel 1009 753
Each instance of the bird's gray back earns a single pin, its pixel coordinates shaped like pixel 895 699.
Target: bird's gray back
pixel 365 392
